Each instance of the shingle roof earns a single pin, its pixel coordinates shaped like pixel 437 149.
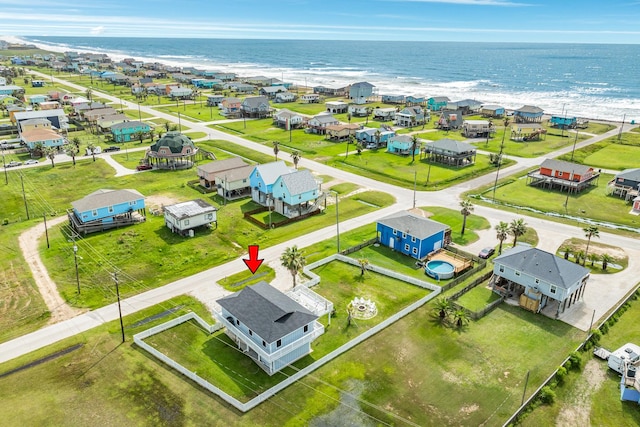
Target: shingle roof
pixel 267 312
pixel 41 134
pixel 451 145
pixel 325 118
pixel 255 101
pixel 413 224
pixel 101 198
pixel 630 174
pixel 299 182
pixel 286 114
pixel 222 165
pixel 529 109
pixel 127 125
pixel 174 140
pixel 561 165
pixel 272 171
pixel 189 209
pixel 543 265
pixel 236 174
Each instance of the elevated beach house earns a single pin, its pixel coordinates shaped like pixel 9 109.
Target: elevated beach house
pixel 528 114
pixel 411 116
pixel 450 120
pixel 626 184
pixel 268 326
pixel 437 103
pixel 403 145
pixel 342 131
pixel 361 92
pixel 230 107
pixel 105 209
pixel 256 107
pixel 562 175
pixel 526 132
pixel 450 152
pixel 129 131
pixel 262 179
pixel 336 107
pixel 234 183
pixel 287 119
pixel 207 172
pixel 539 279
pixel 183 217
pixel 296 193
pixel 493 111
pixel 380 137
pixel 42 137
pixel 318 124
pixel 172 151
pixel 466 106
pixel 384 114
pixel 476 128
pixel 412 233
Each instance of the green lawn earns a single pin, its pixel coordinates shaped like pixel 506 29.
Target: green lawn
pixel 454 220
pixel 477 298
pixel 610 153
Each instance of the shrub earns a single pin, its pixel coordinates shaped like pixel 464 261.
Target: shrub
pixel 547 395
pixel 561 374
pixel 576 361
pixel 5 221
pixel 604 328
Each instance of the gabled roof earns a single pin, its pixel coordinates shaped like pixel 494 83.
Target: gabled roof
pixel 102 198
pixel 270 172
pixel 273 89
pixel 286 114
pixel 440 99
pixel 299 182
pixel 543 265
pixel 222 165
pixel 414 110
pixel 561 165
pixel 451 145
pixel 413 224
pixel 40 134
pixel 128 125
pixel 255 101
pixel 362 84
pixel 266 311
pixel 407 139
pixel 38 121
pixel 529 109
pixel 492 107
pixel 630 174
pixel 189 209
pixel 236 174
pixel 324 118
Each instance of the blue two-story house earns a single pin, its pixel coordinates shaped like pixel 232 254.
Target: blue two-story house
pixel 528 114
pixel 360 92
pixel 380 137
pixel 129 131
pixel 437 103
pixel 104 209
pixel 539 278
pixel 294 193
pixel 412 233
pixel 262 179
pixel 268 326
pixel 402 145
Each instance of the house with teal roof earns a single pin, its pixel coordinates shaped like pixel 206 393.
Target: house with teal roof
pixel 437 103
pixel 402 145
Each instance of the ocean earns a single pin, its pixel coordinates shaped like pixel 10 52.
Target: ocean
pixel 595 81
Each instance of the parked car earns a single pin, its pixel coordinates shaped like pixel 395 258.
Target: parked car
pixel 486 253
pixel 112 148
pixel 13 163
pixel 143 167
pixel 31 162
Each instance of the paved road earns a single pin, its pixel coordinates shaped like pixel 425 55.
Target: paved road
pixel 602 294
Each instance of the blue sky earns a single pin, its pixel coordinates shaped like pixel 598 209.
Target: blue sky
pixel 585 21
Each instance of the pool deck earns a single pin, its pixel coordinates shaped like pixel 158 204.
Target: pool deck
pixel 458 264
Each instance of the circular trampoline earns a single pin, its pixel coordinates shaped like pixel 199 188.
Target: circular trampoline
pixel 439 269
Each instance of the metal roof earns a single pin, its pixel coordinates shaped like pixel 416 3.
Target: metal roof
pixel 189 209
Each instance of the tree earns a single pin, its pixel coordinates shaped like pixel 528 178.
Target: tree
pixel 443 307
pixel 589 232
pixel 166 126
pixel 579 257
pixel 502 232
pixel 89 94
pixel 295 155
pixel 359 147
pixel 72 151
pixel 461 317
pixel 567 251
pixel 92 148
pixel 466 209
pixel 606 260
pixel 276 149
pixel 76 142
pixel 414 145
pixel 364 263
pixel 369 110
pixel 517 228
pixel 593 257
pixel 293 260
pixel 50 152
pixel 378 135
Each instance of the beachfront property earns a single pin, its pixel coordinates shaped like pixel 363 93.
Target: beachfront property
pixel 527 132
pixel 283 97
pixel 208 171
pixel 331 91
pixel 476 128
pixel 234 183
pixel 256 107
pixel 450 152
pixel 296 194
pixel 563 176
pixel 287 119
pixel 172 151
pixel 230 107
pixel 380 137
pixel 262 179
pixel 403 145
pixel 384 114
pixel 492 111
pixel 42 137
pixel 271 91
pixel 318 124
pixel 183 218
pixel 437 103
pixel 413 100
pixel 342 131
pixel 449 120
pixel 392 99
pixel 541 281
pixel 466 106
pixel 310 98
pixel 626 184
pixel 58 118
pixel 412 233
pixel 362 92
pixel 336 107
pixel 563 122
pixel 411 116
pixel 528 114
pixel 105 209
pixel 268 326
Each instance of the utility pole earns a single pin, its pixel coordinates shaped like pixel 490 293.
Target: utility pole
pixel 75 260
pixel 415 184
pixel 495 184
pixel 46 232
pixel 115 278
pixel 6 178
pixel 575 141
pixel 24 195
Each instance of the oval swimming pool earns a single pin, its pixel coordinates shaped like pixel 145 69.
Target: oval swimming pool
pixel 439 269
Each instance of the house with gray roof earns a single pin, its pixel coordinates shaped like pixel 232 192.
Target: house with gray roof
pixel 262 179
pixel 234 183
pixel 450 152
pixel 450 120
pixel 104 209
pixel 256 107
pixel 173 150
pixel 268 326
pixel 626 184
pixel 528 114
pixel 540 280
pixel 294 193
pixel 183 217
pixel 412 233
pixel 361 92
pixel 318 124
pixel 411 116
pixel 288 119
pixel 207 172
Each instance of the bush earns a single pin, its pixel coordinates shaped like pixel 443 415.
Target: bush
pixel 604 328
pixel 547 395
pixel 576 361
pixel 561 374
pixel 5 221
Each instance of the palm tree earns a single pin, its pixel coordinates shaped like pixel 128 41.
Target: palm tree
pixel 579 257
pixel 414 145
pixel 443 307
pixel 589 232
pixel 359 147
pixel 76 142
pixel 92 148
pixel 72 151
pixel 593 257
pixel 378 135
pixel 50 152
pixel 461 317
pixel 517 228
pixel 276 149
pixel 364 263
pixel 466 209
pixel 293 260
pixel 295 155
pixel 89 94
pixel 567 251
pixel 606 260
pixel 369 110
pixel 502 232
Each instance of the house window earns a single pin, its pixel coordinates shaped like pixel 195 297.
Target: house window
pixel 404 235
pixel 186 222
pixel 210 216
pixel 94 212
pixel 395 232
pixel 250 332
pixel 279 343
pixel 415 251
pixel 537 281
pixel 501 269
pixel 553 289
pixel 132 203
pixel 110 208
pixel 244 181
pixel 237 322
pixel 517 273
pixel 413 239
pixel 406 247
pixel 264 344
pixel 306 328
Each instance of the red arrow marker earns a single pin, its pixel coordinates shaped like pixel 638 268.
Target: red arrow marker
pixel 253 262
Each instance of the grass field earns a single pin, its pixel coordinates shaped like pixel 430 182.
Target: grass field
pixel 610 153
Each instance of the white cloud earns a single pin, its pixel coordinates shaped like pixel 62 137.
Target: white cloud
pixel 95 31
